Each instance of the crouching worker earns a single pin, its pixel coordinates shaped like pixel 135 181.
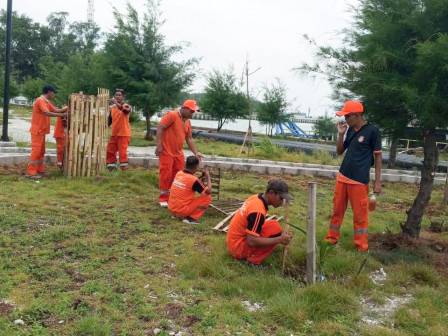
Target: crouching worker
pixel 182 202
pixel 250 236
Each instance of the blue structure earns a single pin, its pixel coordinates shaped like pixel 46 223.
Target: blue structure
pixel 293 128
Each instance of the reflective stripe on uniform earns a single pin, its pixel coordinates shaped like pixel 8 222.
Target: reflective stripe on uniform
pixel 111 164
pixel 334 227
pixel 163 192
pixel 59 163
pixel 124 164
pixel 361 231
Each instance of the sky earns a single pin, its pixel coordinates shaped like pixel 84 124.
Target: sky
pixel 268 33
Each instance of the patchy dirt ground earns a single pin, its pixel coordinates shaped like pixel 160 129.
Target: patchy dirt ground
pixel 6 308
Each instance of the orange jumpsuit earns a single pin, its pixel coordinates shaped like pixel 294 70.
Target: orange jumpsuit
pixel 120 137
pixel 40 126
pixel 59 135
pixel 172 158
pixel 250 219
pixel 182 202
pixel 353 184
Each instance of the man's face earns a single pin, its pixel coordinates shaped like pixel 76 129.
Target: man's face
pixel 187 113
pixel 119 96
pixel 51 94
pixel 351 119
pixel 277 199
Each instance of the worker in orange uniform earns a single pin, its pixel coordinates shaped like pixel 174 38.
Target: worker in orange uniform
pixel 250 236
pixel 173 129
pixel 121 132
pixel 59 135
pixel 362 143
pixel 182 202
pixel 43 109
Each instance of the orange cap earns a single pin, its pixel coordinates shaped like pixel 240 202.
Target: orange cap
pixel 351 106
pixel 191 104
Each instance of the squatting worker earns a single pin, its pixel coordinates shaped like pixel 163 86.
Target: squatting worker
pixel 362 144
pixel 59 134
pixel 250 236
pixel 121 132
pixel 173 129
pixel 183 203
pixel 43 109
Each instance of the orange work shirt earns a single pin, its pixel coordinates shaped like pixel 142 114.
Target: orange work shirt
pixel 40 123
pixel 249 219
pixel 120 121
pixel 184 186
pixel 177 129
pixel 59 129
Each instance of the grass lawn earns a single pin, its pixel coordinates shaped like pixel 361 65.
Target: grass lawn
pixel 99 257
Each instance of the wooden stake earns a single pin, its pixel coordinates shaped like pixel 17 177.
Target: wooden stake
pixel 86 138
pixel 70 121
pixel 95 137
pixel 311 235
pixel 90 135
pixel 221 223
pixel 285 250
pixel 80 136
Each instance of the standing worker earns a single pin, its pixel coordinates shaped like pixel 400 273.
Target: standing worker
pixel 43 109
pixel 121 132
pixel 59 135
pixel 250 236
pixel 173 129
pixel 363 144
pixel 182 203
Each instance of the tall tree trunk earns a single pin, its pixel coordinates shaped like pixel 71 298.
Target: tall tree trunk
pixel 393 152
pixel 148 136
pixel 413 222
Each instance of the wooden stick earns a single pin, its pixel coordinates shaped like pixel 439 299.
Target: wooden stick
pixel 76 134
pixel 285 250
pixel 70 121
pixel 221 223
pixel 80 134
pixel 90 135
pixel 311 235
pixel 95 139
pixel 86 138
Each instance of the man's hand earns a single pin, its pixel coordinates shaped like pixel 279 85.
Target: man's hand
pixel 342 127
pixel 199 156
pixel 206 172
pixel 285 238
pixel 377 187
pixel 158 150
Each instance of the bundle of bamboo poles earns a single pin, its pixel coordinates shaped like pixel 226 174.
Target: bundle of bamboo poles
pixel 86 141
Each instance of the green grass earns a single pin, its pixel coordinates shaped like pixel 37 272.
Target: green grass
pixel 101 256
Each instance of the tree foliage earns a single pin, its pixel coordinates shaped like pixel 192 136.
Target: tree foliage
pixel 325 127
pixel 139 61
pixel 223 99
pixel 272 110
pixel 394 60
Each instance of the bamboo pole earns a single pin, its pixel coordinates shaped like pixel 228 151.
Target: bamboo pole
pixel 70 121
pixel 80 136
pixel 445 198
pixel 90 134
pixel 85 132
pixel 76 134
pixel 311 235
pixel 95 137
pixel 285 249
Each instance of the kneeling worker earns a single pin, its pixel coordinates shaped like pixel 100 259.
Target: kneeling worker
pixel 182 202
pixel 251 237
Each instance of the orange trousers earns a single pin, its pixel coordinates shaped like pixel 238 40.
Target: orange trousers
pixel 36 165
pixel 118 144
pixel 357 194
pixel 60 149
pixel 270 228
pixel 196 208
pixel 168 168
